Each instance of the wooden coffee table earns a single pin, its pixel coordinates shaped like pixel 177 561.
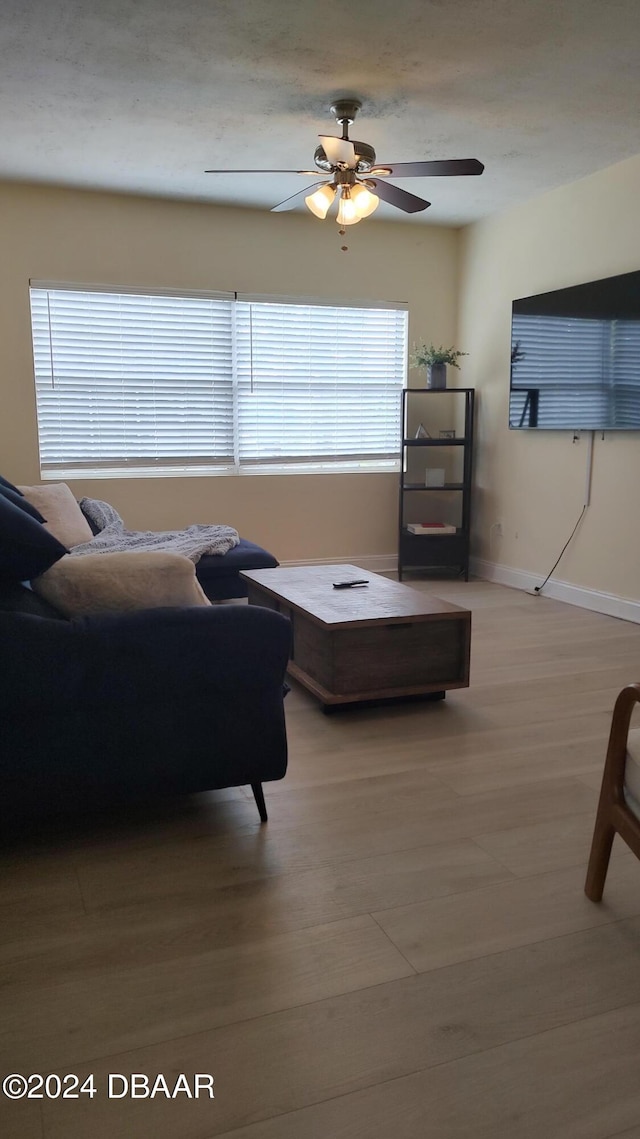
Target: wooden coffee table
pixel 377 642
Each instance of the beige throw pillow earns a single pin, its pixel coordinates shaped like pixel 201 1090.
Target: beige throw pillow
pixel 64 518
pixel 99 583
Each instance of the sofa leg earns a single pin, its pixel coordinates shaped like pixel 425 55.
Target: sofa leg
pixel 258 795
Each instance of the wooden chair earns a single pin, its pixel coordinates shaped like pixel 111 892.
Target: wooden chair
pixel 619 805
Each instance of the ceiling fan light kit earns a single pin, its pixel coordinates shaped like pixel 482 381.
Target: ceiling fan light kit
pixel 354 175
pixel 347 214
pixel 364 201
pixel 320 200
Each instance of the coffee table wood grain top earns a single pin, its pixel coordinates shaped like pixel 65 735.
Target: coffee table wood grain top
pixel 309 590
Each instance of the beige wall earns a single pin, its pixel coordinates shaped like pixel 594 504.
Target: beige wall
pixel 534 484
pixel 64 235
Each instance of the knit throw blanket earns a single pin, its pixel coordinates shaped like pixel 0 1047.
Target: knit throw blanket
pixel 113 538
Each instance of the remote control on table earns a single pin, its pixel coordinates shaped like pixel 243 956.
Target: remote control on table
pixel 350 584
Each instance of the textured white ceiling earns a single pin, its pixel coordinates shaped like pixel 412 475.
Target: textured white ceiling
pixel 143 95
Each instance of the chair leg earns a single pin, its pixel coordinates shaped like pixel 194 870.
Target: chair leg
pixel 258 795
pixel 611 791
pixel 603 837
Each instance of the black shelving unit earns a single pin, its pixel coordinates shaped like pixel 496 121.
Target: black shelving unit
pixel 437 436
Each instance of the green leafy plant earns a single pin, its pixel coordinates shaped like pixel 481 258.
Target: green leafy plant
pixel 427 354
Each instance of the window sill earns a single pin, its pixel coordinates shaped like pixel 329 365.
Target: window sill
pixel 389 466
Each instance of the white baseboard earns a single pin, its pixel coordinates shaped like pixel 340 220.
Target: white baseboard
pixel 592 599
pixel 598 602
pixel 374 563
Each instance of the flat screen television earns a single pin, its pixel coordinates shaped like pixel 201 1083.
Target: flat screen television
pixel 575 358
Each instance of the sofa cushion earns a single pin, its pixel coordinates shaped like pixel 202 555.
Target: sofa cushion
pixel 65 519
pixel 121 582
pixel 18 499
pixel 246 555
pixel 27 549
pixel 220 575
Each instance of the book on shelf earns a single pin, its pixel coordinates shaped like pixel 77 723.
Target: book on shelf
pixel 430 528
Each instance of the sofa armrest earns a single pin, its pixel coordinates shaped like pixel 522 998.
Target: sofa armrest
pixel 139 657
pixel 193 652
pixel 122 708
pixel 42 663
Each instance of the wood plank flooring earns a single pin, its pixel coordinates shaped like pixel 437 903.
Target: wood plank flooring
pixel 404 950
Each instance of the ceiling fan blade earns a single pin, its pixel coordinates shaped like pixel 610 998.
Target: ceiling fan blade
pixel 397 197
pixel 296 199
pixel 261 172
pixel 338 150
pixel 446 168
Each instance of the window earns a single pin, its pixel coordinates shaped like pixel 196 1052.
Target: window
pixel 149 382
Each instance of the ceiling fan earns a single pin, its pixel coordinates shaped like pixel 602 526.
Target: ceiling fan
pixel 356 179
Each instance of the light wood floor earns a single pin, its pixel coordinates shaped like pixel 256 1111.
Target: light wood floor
pixel 404 951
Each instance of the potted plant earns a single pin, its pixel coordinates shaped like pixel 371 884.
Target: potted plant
pixel 435 360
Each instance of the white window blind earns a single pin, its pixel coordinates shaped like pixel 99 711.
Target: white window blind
pixel 319 382
pixel 566 359
pixel 159 381
pixel 127 379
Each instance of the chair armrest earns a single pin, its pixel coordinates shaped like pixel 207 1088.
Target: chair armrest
pixel 613 776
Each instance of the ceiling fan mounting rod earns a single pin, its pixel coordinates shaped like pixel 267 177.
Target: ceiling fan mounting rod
pixel 345 111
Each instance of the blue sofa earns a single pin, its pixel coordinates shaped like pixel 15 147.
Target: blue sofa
pixel 114 708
